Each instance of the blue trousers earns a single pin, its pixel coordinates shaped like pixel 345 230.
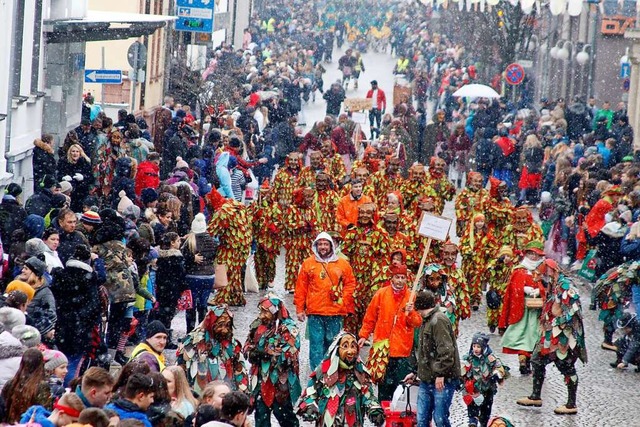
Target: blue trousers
pixel 433 404
pixel 322 330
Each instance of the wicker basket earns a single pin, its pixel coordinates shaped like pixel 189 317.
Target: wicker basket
pixel 533 302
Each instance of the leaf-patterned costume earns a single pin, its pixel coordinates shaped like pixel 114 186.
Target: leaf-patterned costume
pixel 208 359
pixel 287 180
pixel 231 225
pixel 457 284
pixel 468 203
pixel 611 293
pixel 104 165
pixel 443 188
pixel 477 248
pixel 383 184
pixel 299 231
pixel 367 247
pixel 265 231
pixel 499 212
pixel 561 321
pixel 339 395
pixel 411 190
pixel 497 277
pixel 325 205
pixel 334 166
pixel 273 352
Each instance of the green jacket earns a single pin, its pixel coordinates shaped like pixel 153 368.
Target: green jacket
pixel 437 349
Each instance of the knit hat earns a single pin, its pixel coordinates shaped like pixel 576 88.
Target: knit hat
pixel 65 187
pixel 82 253
pixel 124 201
pixel 13 189
pixel 131 211
pixel 27 335
pixel 481 339
pixel 54 359
pixel 19 285
pixel 148 195
pixel 33 226
pixel 181 164
pixel 48 181
pixel 11 317
pixel 154 328
pixel 38 267
pixel 43 321
pixel 91 218
pixel 199 224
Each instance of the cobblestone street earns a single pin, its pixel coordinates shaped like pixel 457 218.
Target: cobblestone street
pixel 606 397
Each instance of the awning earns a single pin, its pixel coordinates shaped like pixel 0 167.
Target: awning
pixel 99 25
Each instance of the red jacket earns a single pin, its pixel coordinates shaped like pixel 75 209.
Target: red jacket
pixel 148 176
pixel 594 220
pixel 381 102
pixel 513 301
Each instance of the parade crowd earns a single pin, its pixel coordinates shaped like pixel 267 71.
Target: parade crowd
pixel 123 230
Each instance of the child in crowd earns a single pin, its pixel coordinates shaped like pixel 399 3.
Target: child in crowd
pixel 482 372
pixel 55 366
pixel 628 346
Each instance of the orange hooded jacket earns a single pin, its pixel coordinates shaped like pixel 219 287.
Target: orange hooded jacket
pixel 384 306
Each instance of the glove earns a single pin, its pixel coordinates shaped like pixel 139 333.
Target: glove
pixel 66 178
pixel 78 177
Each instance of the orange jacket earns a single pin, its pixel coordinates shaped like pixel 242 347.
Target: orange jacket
pixel 384 306
pixel 314 288
pixel 347 210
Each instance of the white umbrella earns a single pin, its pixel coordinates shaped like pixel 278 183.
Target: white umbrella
pixel 476 91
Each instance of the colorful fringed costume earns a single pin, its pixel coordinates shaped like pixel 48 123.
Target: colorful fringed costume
pixel 496 276
pixel 231 225
pixel 437 180
pixel 210 355
pixel 611 293
pixel 272 348
pixel 340 392
pixel 300 223
pixel 290 177
pixel 499 211
pixel 265 232
pixel 470 201
pixel 477 247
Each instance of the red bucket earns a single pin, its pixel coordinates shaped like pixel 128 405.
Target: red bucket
pixel 406 418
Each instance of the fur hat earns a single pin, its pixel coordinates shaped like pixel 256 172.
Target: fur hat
pixel 125 201
pixel 54 359
pixel 11 317
pixel 199 224
pixel 27 335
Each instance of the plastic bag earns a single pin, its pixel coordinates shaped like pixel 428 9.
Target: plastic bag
pixel 250 281
pixel 588 269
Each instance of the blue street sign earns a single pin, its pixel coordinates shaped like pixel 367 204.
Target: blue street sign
pixel 107 77
pixel 195 15
pixel 625 70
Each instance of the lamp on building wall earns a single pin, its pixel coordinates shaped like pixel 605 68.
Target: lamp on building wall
pixel 583 56
pixel 553 52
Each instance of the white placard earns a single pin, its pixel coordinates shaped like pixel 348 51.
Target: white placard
pixel 359 117
pixel 434 227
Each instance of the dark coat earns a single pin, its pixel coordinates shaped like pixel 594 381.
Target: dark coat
pixel 44 162
pixel 169 277
pixel 81 188
pixel 40 203
pixel 77 295
pixel 334 101
pixel 12 215
pixel 205 246
pixel 68 243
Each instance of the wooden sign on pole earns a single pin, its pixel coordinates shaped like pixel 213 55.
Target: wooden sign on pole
pixel 432 227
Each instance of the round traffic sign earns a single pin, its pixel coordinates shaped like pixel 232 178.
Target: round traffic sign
pixel 514 74
pixel 137 55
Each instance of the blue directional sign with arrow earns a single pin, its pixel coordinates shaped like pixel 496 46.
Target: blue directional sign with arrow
pixel 113 77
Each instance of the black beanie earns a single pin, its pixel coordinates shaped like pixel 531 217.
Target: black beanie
pixel 154 328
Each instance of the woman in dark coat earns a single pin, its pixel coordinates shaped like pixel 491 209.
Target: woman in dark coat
pixel 76 169
pixel 76 291
pixel 44 161
pixel 170 277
